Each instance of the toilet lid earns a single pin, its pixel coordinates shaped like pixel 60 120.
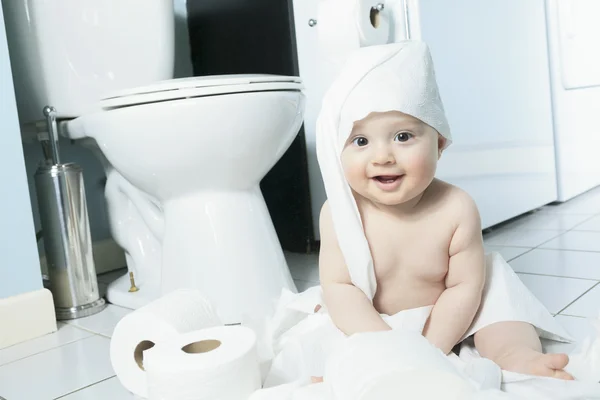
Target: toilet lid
pixel 198 86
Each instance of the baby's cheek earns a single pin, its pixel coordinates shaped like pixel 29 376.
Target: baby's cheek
pixel 418 162
pixel 354 175
pixel 353 167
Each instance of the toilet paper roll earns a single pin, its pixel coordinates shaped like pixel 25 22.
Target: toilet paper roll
pixel 346 25
pixel 214 363
pixel 178 312
pixel 394 364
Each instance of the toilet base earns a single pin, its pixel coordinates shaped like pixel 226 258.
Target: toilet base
pixel 118 293
pixel 224 244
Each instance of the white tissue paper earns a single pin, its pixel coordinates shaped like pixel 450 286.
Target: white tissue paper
pixel 386 365
pixel 346 25
pixel 178 312
pixel 215 363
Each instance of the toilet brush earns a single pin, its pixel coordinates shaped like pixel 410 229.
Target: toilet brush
pixel 66 232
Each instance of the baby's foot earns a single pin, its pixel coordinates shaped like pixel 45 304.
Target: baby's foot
pixel 530 362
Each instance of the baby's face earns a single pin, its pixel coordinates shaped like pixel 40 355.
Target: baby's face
pixel 391 157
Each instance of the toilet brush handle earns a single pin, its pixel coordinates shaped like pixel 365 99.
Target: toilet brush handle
pixel 50 114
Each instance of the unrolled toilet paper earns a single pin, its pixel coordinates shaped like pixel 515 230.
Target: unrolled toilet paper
pixel 215 363
pixel 394 364
pixel 176 313
pixel 346 25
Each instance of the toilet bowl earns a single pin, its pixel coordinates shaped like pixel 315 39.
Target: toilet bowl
pixel 136 225
pixel 183 157
pixel 200 147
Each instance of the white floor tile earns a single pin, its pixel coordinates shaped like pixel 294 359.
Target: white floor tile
pixel 57 372
pixel 104 322
pixel 553 292
pixel 577 206
pixel 575 240
pixel 519 238
pixel 560 222
pixel 587 306
pixel 592 194
pixel 508 253
pixel 579 328
pixel 571 264
pixel 592 224
pixel 64 335
pixel 110 389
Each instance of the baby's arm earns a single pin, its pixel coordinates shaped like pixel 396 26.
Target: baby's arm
pixel 349 308
pixel 455 309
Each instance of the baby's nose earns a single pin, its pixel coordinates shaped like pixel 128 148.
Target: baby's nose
pixel 383 156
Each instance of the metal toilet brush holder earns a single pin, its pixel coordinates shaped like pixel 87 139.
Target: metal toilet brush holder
pixel 66 233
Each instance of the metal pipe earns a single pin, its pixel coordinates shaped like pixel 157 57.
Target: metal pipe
pixel 50 113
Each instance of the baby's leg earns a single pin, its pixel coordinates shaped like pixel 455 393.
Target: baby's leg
pixel 516 347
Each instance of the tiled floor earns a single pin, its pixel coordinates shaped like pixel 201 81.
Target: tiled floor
pixel 555 251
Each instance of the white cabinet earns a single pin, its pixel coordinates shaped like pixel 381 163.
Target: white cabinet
pixel 574 34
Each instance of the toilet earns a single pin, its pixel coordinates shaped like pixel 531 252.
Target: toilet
pixel 183 157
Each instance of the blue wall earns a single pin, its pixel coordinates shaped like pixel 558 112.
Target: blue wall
pixel 19 263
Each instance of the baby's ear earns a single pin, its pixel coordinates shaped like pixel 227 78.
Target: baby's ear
pixel 441 145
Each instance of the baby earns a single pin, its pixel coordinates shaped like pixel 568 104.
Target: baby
pixel 424 235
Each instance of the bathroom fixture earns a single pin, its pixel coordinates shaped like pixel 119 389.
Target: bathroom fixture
pixel 67 239
pixel 183 157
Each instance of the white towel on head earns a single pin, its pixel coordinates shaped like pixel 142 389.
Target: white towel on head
pixel 392 77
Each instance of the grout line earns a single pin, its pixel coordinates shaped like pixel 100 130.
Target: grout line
pixel 520 255
pixel 49 349
pixel 83 328
pixel 584 221
pixel 557 276
pixel 85 387
pixel 578 250
pixel 570 315
pixel 583 294
pixel 568 250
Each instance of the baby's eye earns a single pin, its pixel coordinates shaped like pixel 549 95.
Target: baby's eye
pixel 402 136
pixel 360 141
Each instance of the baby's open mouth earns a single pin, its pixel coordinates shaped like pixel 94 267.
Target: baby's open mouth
pixel 387 178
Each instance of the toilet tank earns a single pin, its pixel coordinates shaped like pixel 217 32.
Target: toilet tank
pixel 70 53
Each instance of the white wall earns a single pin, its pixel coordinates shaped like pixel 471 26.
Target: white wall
pixel 19 264
pixel 576 110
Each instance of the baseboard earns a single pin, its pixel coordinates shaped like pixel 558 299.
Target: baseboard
pixel 26 316
pixel 108 256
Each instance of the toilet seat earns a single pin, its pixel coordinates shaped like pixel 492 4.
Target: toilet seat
pixel 175 89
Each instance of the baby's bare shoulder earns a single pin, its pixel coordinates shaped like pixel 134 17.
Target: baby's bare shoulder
pixel 463 213
pixel 455 200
